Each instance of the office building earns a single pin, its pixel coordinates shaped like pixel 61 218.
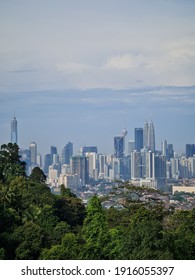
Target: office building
pixel 33 153
pixel 138 134
pixel 92 165
pixel 161 171
pixel 53 151
pixel 47 163
pixel 119 145
pixel 170 151
pixel 190 150
pixel 164 148
pixel 151 137
pixel 136 165
pixel 79 167
pixel 67 153
pixel 14 132
pixel 150 165
pixel 145 134
pixel 131 146
pixel 88 149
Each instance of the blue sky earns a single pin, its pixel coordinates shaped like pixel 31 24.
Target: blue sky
pixel 82 70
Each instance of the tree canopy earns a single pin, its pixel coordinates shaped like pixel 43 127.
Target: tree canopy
pixel 36 224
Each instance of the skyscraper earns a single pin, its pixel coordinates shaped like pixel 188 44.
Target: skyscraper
pixel 138 138
pixel 131 146
pixel 170 151
pixel 14 133
pixel 53 151
pixel 164 147
pixel 135 165
pixel 151 137
pixel 33 153
pixel 47 163
pixel 145 134
pixel 67 153
pixel 150 165
pixel 88 149
pixel 79 167
pixel 190 150
pixel 119 145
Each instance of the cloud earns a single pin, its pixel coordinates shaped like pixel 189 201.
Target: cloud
pixel 125 61
pixel 21 71
pixel 72 68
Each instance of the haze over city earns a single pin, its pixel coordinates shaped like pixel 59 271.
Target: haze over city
pixel 81 71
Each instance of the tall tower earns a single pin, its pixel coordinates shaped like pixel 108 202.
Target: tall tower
pixel 119 145
pixel 151 137
pixel 145 135
pixel 67 153
pixel 14 133
pixel 33 153
pixel 164 147
pixel 79 167
pixel 135 165
pixel 138 138
pixel 53 151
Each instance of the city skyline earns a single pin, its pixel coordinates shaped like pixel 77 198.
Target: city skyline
pixel 81 71
pixel 143 138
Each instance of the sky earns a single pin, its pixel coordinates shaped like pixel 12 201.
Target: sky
pixel 82 70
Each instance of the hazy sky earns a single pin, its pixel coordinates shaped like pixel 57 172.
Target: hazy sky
pixel 82 70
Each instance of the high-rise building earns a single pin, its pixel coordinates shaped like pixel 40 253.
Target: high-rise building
pixel 67 153
pixel 170 151
pixel 161 171
pixel 88 149
pixel 138 133
pixel 79 167
pixel 190 150
pixel 151 137
pixel 164 147
pixel 33 153
pixel 92 166
pixel 47 163
pixel 145 134
pixel 150 165
pixel 131 146
pixel 119 145
pixel 53 151
pixel 136 165
pixel 14 133
pixel 102 164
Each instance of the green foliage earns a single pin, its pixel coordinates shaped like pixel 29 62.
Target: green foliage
pixel 30 239
pixel 37 175
pixel 67 250
pixel 95 232
pixel 69 209
pixel 2 253
pixel 10 164
pixel 35 224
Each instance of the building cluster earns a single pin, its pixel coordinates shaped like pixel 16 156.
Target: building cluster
pixel 142 163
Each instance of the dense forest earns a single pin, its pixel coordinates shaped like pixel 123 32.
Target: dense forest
pixel 36 224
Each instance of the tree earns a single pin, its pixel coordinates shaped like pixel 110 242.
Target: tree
pixel 67 250
pixel 37 175
pixel 10 164
pixel 30 241
pixel 180 229
pixel 70 209
pixel 143 239
pixel 95 232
